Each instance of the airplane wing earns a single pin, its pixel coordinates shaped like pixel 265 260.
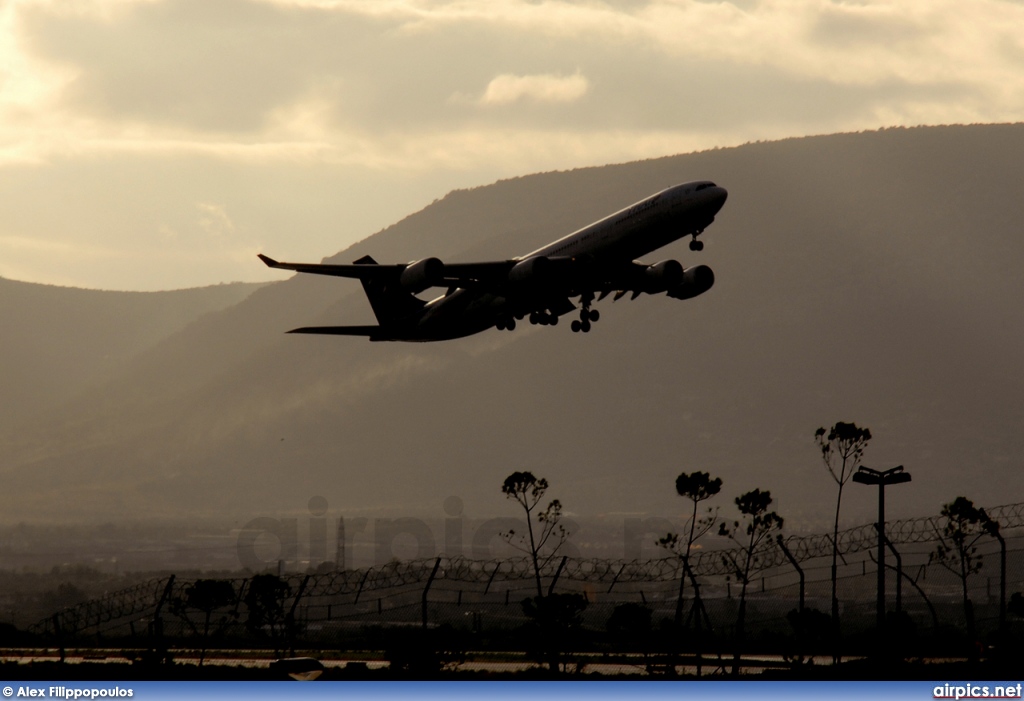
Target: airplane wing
pixel 432 270
pixel 426 272
pixel 576 275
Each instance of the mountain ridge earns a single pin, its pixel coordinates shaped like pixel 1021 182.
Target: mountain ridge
pixel 866 277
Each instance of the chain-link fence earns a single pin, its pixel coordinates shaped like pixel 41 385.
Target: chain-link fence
pixel 630 605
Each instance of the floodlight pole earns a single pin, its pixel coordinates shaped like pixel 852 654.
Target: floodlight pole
pixel 895 475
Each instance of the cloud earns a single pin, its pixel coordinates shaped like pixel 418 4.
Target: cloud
pixel 214 220
pixel 258 105
pixel 507 88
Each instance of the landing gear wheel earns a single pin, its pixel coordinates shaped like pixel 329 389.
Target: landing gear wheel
pixel 510 325
pixel 696 245
pixel 585 326
pixel 534 318
pixel 575 326
pixel 500 325
pixel 594 315
pixel 554 320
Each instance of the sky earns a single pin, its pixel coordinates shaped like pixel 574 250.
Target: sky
pixel 161 144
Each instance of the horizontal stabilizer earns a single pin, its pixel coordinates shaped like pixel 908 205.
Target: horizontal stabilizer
pixel 340 330
pixel 362 270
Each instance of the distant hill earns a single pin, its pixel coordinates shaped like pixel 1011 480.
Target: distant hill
pixel 871 277
pixel 58 341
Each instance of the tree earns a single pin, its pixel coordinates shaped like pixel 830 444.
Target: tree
pixel 64 596
pixel 957 550
pixel 842 447
pixel 265 601
pixel 696 487
pixel 630 627
pixel 556 618
pixel 750 533
pixel 206 596
pixel 540 544
pixel 1016 605
pixel 554 615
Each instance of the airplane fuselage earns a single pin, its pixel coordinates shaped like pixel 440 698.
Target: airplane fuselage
pixel 603 246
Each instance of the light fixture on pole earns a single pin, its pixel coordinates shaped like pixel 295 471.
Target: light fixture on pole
pixel 895 475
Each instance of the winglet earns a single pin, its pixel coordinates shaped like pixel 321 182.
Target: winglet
pixel 268 260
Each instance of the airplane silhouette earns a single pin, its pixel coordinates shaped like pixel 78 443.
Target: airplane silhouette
pixel 594 261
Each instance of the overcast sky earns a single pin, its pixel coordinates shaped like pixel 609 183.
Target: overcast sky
pixel 157 144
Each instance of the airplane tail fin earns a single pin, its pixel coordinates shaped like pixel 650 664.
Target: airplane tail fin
pixel 388 299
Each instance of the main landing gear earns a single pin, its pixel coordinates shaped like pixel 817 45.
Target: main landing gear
pixel 544 318
pixel 587 315
pixel 696 245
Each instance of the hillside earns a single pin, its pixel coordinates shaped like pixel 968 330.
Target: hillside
pixel 58 341
pixel 862 277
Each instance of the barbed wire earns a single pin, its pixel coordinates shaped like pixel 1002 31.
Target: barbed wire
pixel 144 599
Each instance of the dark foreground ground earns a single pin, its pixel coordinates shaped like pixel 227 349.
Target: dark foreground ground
pixel 856 670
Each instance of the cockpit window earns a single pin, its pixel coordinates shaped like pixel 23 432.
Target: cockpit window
pixel 704 186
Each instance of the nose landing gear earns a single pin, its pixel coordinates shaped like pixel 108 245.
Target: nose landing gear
pixel 696 245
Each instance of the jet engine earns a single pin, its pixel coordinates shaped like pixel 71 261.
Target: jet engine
pixel 422 274
pixel 696 281
pixel 535 269
pixel 662 276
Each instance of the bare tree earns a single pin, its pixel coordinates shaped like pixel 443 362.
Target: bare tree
pixel 696 487
pixel 842 448
pixel 957 549
pixel 755 528
pixel 556 617
pixel 542 543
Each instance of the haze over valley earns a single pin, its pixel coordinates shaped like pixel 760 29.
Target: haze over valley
pixel 870 277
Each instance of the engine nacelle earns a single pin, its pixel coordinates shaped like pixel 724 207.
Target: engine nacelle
pixel 696 281
pixel 535 269
pixel 422 274
pixel 662 276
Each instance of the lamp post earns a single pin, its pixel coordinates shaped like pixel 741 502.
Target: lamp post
pixel 895 475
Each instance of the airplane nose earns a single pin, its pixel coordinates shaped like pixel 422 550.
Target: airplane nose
pixel 718 196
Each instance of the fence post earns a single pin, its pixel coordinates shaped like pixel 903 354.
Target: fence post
pixel 1002 577
pixel 157 630
pixel 289 620
pixel 426 590
pixel 497 566
pixel 796 566
pixel 554 580
pixel 899 574
pixel 59 633
pixel 359 592
pixel 614 581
